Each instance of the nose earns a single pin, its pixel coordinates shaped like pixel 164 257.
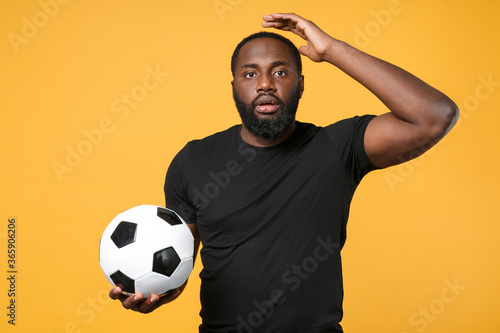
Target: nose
pixel 265 84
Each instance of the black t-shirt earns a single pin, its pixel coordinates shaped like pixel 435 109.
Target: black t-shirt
pixel 272 222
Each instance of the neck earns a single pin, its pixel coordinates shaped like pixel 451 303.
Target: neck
pixel 259 141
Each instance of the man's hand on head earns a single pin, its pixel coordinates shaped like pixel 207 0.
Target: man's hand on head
pixel 318 42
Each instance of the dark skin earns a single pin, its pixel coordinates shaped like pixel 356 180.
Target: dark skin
pixel 419 115
pixel 265 66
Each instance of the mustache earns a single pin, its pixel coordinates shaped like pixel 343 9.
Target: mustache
pixel 278 100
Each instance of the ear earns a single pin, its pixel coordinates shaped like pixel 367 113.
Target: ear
pixel 301 85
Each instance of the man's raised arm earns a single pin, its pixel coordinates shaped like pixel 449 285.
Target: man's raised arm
pixel 420 115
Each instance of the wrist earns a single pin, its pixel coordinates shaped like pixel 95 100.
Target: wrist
pixel 337 52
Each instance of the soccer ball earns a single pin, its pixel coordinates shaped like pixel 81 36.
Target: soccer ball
pixel 147 249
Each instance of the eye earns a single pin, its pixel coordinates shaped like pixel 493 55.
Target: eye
pixel 280 73
pixel 249 75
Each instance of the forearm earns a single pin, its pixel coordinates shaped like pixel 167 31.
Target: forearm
pixel 406 96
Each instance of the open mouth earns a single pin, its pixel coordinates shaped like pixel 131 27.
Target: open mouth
pixel 266 104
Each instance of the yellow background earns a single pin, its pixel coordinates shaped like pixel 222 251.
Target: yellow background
pixel 415 229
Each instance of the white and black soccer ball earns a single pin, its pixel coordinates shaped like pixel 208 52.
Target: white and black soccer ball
pixel 147 249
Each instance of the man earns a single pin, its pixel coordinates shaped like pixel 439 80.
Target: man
pixel 269 198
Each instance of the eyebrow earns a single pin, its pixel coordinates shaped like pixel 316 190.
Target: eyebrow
pixel 274 64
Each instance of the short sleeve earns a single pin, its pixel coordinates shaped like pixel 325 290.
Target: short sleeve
pixel 175 187
pixel 347 137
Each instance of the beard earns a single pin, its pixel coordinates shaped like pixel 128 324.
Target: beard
pixel 269 128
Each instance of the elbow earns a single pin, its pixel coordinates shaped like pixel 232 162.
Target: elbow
pixel 447 113
pixel 451 113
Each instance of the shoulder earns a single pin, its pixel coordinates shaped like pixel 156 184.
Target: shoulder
pixel 341 130
pixel 348 129
pixel 350 124
pixel 343 125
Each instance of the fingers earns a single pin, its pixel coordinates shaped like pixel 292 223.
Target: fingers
pixel 282 17
pixel 115 293
pixel 318 42
pixel 154 301
pixel 136 302
pixel 132 302
pixel 286 22
pixel 278 21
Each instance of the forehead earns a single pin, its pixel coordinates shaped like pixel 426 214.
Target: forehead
pixel 262 51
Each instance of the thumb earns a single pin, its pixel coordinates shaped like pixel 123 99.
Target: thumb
pixel 309 52
pixel 304 50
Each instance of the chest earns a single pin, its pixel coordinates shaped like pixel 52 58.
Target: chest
pixel 264 193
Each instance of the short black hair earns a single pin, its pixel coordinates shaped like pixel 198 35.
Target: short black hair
pixel 265 34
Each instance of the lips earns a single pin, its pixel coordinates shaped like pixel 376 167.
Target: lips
pixel 266 104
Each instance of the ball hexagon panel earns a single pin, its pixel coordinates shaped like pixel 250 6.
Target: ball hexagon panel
pixel 150 283
pixel 108 254
pixel 181 273
pixel 140 257
pixel 183 242
pixel 155 234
